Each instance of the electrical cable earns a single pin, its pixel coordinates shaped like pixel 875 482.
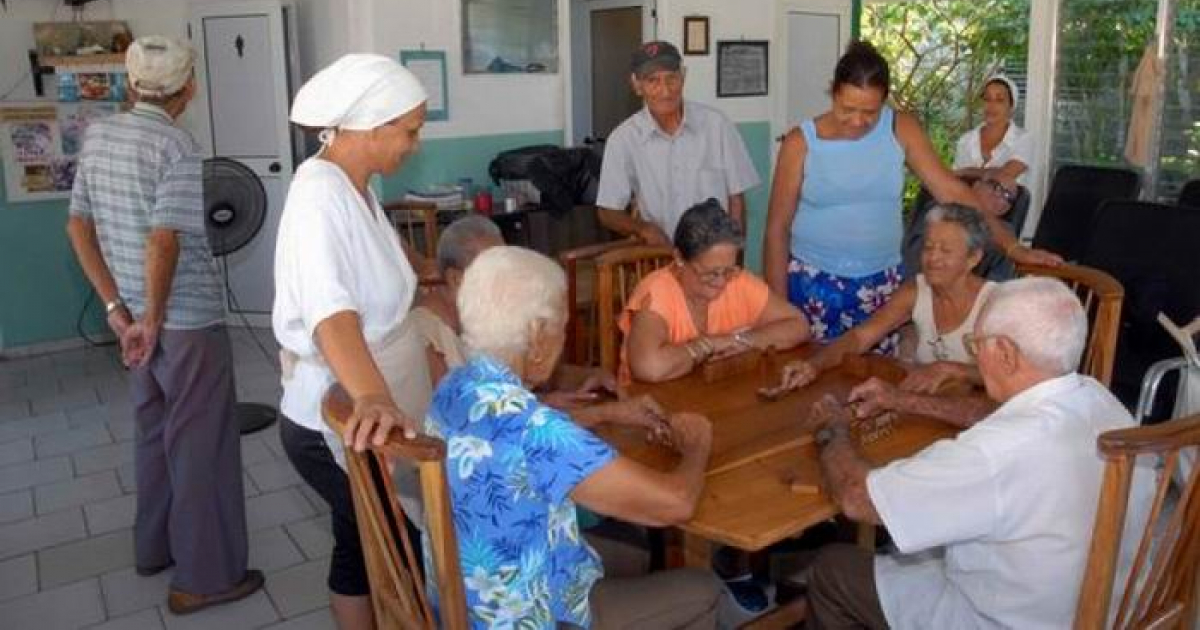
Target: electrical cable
pixel 271 360
pixel 79 325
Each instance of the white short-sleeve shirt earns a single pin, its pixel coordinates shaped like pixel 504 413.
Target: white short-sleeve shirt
pixel 993 527
pixel 1017 144
pixel 335 252
pixel 670 173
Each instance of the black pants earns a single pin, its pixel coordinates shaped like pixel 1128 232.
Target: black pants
pixel 311 457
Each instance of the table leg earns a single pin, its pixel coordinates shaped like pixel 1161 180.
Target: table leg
pixel 866 536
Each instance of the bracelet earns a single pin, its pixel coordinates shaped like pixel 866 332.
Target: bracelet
pixel 691 352
pixel 742 337
pixel 113 305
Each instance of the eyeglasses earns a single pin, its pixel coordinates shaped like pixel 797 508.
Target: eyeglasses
pixel 999 189
pixel 713 276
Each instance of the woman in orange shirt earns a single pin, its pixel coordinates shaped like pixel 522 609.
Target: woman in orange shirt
pixel 704 306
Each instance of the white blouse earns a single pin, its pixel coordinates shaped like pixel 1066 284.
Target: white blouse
pixel 335 252
pixel 1016 145
pixel 934 346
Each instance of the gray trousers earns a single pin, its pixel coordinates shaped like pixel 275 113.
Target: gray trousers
pixel 190 504
pixel 841 590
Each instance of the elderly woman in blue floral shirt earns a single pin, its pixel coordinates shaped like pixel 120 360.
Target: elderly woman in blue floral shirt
pixel 517 468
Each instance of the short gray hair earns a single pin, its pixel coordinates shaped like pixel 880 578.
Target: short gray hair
pixel 1042 317
pixel 969 219
pixel 458 244
pixel 704 225
pixel 505 290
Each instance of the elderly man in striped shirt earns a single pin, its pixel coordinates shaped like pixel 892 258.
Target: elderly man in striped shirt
pixel 137 226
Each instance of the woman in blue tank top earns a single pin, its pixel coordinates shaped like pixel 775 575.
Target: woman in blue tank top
pixel 834 228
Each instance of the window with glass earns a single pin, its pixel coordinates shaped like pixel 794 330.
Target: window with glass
pixel 513 36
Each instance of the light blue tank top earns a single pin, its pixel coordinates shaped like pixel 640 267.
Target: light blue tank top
pixel 848 221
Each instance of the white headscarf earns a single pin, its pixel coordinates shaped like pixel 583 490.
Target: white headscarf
pixel 1012 87
pixel 358 92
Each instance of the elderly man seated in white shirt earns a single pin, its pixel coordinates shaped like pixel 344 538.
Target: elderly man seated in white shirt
pixel 992 527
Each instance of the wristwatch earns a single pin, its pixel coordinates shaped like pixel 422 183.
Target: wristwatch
pixel 823 436
pixel 113 305
pixel 743 337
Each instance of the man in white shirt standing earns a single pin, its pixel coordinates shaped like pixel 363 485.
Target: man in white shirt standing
pixel 992 527
pixel 670 155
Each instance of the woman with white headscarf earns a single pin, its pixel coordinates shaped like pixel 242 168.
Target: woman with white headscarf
pixel 998 146
pixel 343 286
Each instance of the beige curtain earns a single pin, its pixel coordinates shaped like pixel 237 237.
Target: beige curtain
pixel 1144 91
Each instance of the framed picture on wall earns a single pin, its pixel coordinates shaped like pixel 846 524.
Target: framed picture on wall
pixel 741 68
pixel 429 66
pixel 695 35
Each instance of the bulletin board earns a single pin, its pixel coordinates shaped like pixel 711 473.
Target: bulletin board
pixel 40 144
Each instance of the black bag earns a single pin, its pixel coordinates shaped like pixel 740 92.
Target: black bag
pixel 514 163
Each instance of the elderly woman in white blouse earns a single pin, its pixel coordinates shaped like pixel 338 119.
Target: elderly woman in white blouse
pixel 343 286
pixel 942 302
pixel 997 146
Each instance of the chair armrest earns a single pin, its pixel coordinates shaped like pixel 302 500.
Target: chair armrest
pixel 1155 438
pixel 591 251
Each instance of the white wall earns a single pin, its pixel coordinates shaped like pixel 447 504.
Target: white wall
pixel 744 19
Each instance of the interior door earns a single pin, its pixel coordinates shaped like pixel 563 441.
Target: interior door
pixel 812 34
pixel 243 75
pixel 615 34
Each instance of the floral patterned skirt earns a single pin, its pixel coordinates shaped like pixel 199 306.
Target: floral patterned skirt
pixel 835 304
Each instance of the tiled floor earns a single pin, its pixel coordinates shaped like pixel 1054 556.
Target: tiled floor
pixel 67 502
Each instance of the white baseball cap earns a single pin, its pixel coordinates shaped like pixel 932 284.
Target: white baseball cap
pixel 158 66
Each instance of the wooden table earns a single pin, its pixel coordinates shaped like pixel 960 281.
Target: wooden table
pixel 762 449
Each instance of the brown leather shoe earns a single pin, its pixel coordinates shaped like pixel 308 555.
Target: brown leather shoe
pixel 182 603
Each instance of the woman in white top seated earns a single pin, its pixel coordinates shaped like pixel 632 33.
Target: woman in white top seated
pixel 998 145
pixel 343 286
pixel 942 303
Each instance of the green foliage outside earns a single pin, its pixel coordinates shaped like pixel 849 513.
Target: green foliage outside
pixel 942 50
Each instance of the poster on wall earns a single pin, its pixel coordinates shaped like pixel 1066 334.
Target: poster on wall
pixel 39 146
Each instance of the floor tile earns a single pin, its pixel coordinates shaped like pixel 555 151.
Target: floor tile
pixel 110 515
pixel 80 491
pixel 316 620
pixel 277 508
pixel 299 589
pixel 34 425
pixel 255 451
pixel 252 612
pixel 312 536
pixel 16 506
pixel 72 440
pixel 15 409
pixel 66 608
pixel 18 576
pixel 144 620
pixel 101 458
pixel 41 532
pixel 85 558
pixel 126 592
pixel 274 475
pixel 74 399
pixel 16 451
pixel 29 474
pixel 272 549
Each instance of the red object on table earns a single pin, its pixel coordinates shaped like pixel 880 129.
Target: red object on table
pixel 483 203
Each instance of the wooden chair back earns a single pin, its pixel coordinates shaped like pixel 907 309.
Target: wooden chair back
pixel 580 266
pixel 617 274
pixel 416 223
pixel 1101 296
pixel 398 593
pixel 1160 591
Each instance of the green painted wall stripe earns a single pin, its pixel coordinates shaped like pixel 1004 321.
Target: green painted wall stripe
pixel 855 18
pixel 757 136
pixel 446 160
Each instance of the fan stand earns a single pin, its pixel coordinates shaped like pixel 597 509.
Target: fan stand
pixel 251 416
pixel 254 417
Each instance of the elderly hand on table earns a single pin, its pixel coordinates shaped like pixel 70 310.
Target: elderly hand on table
pixel 637 411
pixel 929 379
pixel 874 397
pixel 690 432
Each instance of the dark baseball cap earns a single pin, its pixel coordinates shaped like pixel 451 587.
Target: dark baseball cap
pixel 656 55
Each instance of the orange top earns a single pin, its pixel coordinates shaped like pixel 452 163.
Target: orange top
pixel 740 305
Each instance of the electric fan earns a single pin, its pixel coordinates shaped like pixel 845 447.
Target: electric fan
pixel 235 206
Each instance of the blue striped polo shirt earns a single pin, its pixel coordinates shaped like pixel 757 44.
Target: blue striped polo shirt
pixel 137 172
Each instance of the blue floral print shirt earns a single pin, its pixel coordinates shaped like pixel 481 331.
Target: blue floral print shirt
pixel 511 464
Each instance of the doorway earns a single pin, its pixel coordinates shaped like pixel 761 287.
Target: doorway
pixel 813 34
pixel 604 33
